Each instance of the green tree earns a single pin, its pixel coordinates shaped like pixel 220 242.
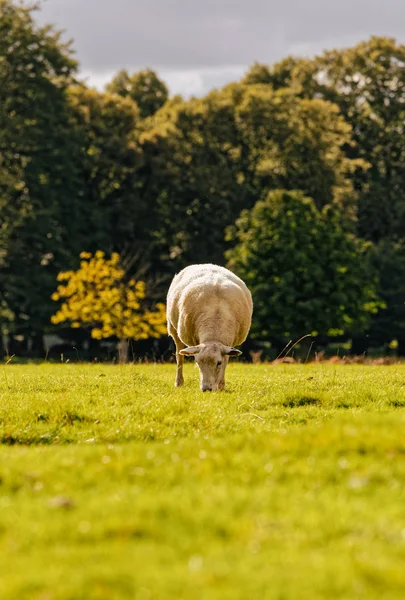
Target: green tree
pixel 114 213
pixel 389 323
pixel 38 172
pixel 145 88
pixel 307 272
pixel 367 83
pixel 99 295
pixel 297 143
pixel 194 169
pixel 206 160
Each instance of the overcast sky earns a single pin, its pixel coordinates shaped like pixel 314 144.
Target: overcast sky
pixel 196 45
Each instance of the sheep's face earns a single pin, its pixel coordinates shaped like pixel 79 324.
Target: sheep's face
pixel 212 359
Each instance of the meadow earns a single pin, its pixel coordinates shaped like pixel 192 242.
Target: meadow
pixel 114 485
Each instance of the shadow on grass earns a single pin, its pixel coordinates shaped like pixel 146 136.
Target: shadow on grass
pixel 17 440
pixel 295 401
pixel 398 403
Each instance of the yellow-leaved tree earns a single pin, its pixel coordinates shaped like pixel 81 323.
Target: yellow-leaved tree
pixel 100 296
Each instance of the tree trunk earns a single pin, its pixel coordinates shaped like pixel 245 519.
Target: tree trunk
pixel 37 345
pixel 401 347
pixel 359 345
pixel 123 351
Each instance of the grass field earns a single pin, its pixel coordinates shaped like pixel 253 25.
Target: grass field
pixel 115 485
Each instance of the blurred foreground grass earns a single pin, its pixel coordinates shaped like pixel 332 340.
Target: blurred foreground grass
pixel 116 485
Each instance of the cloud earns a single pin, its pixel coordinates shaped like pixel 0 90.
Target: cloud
pixel 197 44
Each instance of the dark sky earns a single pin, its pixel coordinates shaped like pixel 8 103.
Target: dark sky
pixel 197 45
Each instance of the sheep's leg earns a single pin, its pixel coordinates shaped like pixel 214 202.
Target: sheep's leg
pixel 179 357
pixel 180 361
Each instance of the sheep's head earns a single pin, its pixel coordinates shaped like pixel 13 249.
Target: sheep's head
pixel 212 359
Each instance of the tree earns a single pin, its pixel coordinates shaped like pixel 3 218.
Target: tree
pixel 292 73
pixel 306 270
pixel 99 296
pixel 144 88
pixel 367 83
pixel 114 214
pixel 206 160
pixel 297 143
pixel 389 323
pixel 38 166
pixel 194 171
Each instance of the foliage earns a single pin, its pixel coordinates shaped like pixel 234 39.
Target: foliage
pixel 367 83
pixel 38 150
pixel 208 159
pixel 194 171
pixel 160 180
pixel 297 144
pixel 114 214
pixel 97 295
pixel 144 88
pixel 110 467
pixel 389 260
pixel 306 271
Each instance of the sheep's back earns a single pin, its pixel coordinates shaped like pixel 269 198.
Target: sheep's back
pixel 208 302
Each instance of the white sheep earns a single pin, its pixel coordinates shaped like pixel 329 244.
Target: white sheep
pixel 209 311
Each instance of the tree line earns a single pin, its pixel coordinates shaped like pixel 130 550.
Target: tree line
pixel 294 177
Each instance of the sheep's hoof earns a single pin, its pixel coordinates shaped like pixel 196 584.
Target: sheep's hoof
pixel 179 382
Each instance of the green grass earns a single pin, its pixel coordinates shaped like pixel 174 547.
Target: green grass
pixel 115 485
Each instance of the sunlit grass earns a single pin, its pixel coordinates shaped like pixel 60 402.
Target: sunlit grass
pixel 114 484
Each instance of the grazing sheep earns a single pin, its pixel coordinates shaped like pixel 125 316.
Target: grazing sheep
pixel 209 311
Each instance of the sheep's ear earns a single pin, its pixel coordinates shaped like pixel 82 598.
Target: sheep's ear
pixel 190 351
pixel 231 351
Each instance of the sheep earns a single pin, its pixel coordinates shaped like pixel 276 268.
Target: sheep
pixel 209 311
